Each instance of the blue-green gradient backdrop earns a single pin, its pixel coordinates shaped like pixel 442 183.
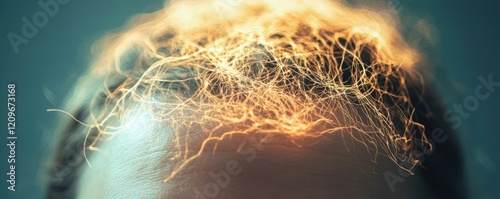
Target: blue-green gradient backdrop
pixel 46 67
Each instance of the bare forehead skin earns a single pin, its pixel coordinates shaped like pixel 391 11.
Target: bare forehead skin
pixel 135 163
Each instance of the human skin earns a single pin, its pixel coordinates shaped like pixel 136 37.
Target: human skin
pixel 135 163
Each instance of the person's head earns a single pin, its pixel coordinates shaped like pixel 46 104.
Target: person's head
pixel 255 99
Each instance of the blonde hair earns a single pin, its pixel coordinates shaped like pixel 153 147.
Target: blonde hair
pixel 299 68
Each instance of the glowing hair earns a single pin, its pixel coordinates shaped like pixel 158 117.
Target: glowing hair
pixel 302 68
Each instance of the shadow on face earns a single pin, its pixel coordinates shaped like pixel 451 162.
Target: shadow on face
pixel 334 167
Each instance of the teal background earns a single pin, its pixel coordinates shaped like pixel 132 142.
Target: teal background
pixel 45 69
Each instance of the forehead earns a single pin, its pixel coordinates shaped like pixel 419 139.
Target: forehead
pixel 137 160
pixel 126 166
